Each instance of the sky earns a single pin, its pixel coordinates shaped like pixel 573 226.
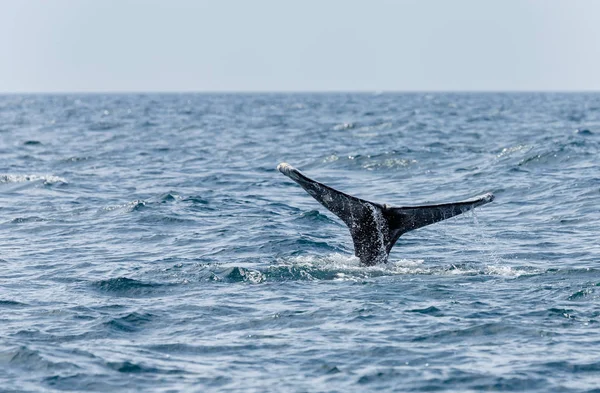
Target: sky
pixel 308 45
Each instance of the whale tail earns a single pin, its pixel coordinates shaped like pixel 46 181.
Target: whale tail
pixel 374 227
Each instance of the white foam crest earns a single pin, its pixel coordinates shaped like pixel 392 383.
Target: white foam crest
pixel 488 270
pixel 348 267
pixel 508 271
pixel 507 151
pixel 47 179
pixel 335 258
pixel 127 206
pixel 254 276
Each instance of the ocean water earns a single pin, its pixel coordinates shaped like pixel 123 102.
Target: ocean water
pixel 147 243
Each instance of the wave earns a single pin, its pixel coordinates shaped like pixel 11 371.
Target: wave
pixel 24 220
pixel 141 204
pixel 314 216
pixel 30 359
pixel 129 323
pixel 337 267
pixel 45 179
pixel 104 126
pixel 139 368
pixel 11 303
pixel 372 162
pixel 126 287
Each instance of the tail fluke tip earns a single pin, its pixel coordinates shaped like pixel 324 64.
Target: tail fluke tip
pixel 283 166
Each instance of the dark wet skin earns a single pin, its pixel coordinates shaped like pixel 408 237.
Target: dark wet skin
pixel 374 227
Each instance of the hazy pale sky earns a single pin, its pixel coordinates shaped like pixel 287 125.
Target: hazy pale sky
pixel 284 45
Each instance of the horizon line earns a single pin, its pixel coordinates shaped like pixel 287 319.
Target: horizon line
pixel 358 91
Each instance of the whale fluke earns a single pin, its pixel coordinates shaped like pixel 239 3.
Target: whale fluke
pixel 374 227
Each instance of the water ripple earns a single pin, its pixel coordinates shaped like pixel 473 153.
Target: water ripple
pixel 149 244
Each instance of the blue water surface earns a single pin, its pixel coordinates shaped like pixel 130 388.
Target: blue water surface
pixel 147 243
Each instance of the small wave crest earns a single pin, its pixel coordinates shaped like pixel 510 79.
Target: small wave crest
pixel 45 179
pixel 126 287
pixel 30 359
pixel 128 367
pixel 130 323
pixel 338 267
pixel 142 204
pixel 314 216
pixel 372 162
pixel 131 206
